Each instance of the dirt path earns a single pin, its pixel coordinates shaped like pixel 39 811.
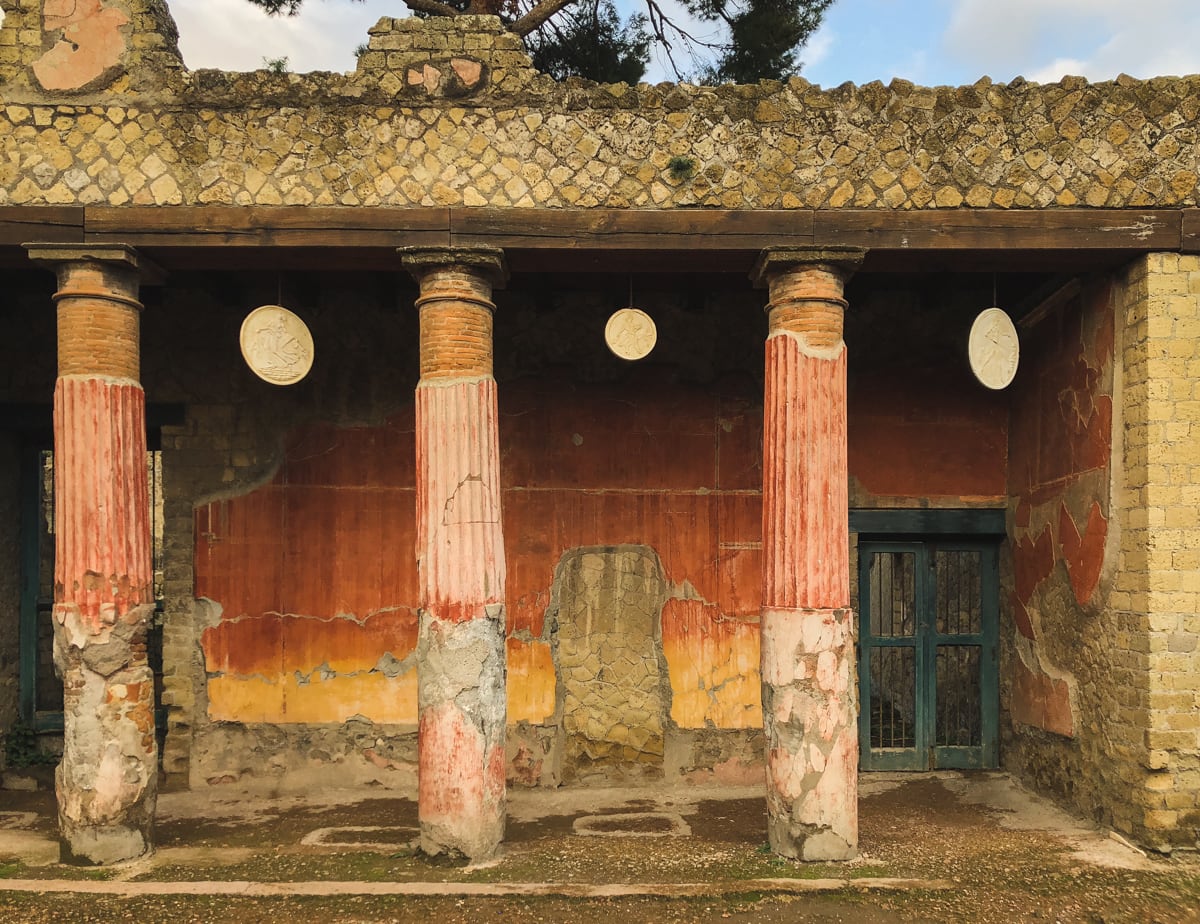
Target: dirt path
pixel 979 848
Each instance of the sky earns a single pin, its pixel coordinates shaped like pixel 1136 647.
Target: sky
pixel 930 42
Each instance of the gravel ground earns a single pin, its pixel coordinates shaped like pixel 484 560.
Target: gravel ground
pixel 1004 855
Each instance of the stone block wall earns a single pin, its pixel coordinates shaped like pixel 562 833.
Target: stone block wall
pixel 1156 595
pixel 443 113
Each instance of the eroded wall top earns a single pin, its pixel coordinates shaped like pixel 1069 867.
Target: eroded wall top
pixel 97 108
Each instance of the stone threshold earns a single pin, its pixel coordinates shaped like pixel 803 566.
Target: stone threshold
pixel 480 889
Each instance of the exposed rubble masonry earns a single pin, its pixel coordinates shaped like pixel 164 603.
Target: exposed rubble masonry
pixel 103 590
pixel 608 652
pixel 808 679
pixel 460 556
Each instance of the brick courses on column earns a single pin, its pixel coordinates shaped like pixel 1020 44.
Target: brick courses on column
pixel 460 549
pixel 103 588
pixel 808 666
pixel 1156 592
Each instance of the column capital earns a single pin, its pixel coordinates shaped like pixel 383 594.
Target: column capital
pixel 842 257
pixel 487 261
pixel 53 255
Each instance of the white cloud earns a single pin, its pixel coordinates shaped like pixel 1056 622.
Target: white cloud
pixel 1056 70
pixel 1098 39
pixel 819 47
pixel 236 35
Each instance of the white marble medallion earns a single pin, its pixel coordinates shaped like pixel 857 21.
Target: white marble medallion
pixel 994 349
pixel 630 333
pixel 276 345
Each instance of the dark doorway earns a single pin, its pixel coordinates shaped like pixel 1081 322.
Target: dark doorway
pixel 928 623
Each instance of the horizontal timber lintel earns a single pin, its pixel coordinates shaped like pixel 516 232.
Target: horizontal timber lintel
pixel 582 231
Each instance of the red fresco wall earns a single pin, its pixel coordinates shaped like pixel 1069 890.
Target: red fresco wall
pixel 316 576
pixel 1060 458
pixel 317 580
pixel 933 434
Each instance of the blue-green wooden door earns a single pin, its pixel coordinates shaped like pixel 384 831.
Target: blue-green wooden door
pixel 928 617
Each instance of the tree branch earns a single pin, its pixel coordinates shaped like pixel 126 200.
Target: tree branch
pixel 431 6
pixel 661 24
pixel 542 11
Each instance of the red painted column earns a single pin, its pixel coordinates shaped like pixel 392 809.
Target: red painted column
pixel 103 586
pixel 808 666
pixel 460 552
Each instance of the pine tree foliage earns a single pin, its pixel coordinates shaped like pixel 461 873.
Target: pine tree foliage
pixel 752 39
pixel 590 40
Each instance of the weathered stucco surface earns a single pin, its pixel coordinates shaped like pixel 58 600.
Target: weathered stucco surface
pixel 1062 644
pixel 292 664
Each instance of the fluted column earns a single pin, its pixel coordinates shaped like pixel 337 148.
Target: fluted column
pixel 103 586
pixel 808 667
pixel 460 552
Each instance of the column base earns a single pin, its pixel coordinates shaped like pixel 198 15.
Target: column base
pixel 102 846
pixel 107 780
pixel 798 841
pixel 461 679
pixel 810 719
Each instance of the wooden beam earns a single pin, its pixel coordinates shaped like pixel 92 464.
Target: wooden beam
pixel 234 226
pixel 43 224
pixel 998 229
pixel 685 230
pixel 1046 300
pixel 1191 231
pixel 695 234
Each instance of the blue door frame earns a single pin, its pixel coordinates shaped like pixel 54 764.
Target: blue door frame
pixel 37 605
pixel 927 647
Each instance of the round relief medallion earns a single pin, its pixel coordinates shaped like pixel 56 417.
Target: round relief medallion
pixel 276 345
pixel 994 349
pixel 630 333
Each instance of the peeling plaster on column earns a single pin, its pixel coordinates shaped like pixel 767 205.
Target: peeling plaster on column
pixel 807 642
pixel 461 698
pixel 461 652
pixel 809 706
pixel 807 348
pixel 107 780
pixel 460 649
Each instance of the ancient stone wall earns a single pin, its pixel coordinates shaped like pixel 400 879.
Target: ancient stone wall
pixel 97 109
pixel 1156 593
pixel 81 47
pixel 1061 673
pixel 449 113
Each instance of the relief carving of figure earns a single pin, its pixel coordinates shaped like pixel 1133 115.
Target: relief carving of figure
pixel 90 43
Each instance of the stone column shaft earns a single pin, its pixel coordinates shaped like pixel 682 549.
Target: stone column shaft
pixel 460 549
pixel 808 666
pixel 103 585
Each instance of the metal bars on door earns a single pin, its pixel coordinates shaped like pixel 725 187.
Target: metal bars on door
pixel 928 615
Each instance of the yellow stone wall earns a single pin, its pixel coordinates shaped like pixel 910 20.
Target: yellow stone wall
pixel 448 112
pixel 1156 594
